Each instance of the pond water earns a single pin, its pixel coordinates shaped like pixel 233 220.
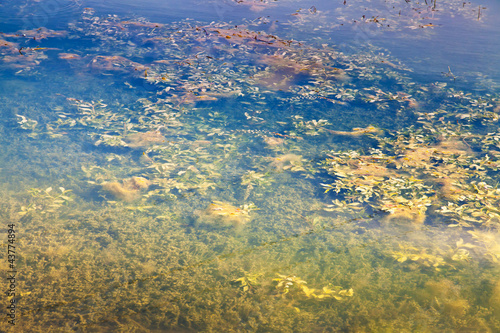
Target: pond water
pixel 250 166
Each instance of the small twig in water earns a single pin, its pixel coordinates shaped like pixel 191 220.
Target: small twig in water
pixel 449 74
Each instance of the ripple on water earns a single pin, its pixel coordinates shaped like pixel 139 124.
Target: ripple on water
pixel 37 13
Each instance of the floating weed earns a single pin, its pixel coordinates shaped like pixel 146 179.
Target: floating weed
pixel 447 178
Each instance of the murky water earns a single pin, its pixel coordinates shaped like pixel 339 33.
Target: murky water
pixel 250 166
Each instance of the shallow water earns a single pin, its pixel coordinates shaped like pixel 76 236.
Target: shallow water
pixel 265 166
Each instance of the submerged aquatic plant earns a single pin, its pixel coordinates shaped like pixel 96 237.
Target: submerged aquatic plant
pixel 249 281
pixel 46 201
pixel 434 257
pixel 27 124
pixel 128 190
pixel 286 284
pixel 219 211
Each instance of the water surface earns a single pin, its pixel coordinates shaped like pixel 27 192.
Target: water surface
pixel 251 166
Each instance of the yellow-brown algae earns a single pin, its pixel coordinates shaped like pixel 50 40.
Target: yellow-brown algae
pixel 128 190
pixel 225 213
pixel 357 131
pixel 144 139
pixel 272 141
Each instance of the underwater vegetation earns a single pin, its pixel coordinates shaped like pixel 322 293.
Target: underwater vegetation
pixel 233 178
pixel 128 190
pixel 285 284
pixel 219 212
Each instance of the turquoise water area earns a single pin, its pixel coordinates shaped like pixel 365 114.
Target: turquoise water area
pixel 250 166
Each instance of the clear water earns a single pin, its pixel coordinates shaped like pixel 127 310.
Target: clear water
pixel 250 166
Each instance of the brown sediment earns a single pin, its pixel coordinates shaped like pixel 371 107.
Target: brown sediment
pixel 225 213
pixel 357 131
pixel 144 139
pixel 449 146
pixel 405 216
pixel 245 36
pixel 273 141
pixel 128 190
pixel 69 56
pixel 37 34
pixel 284 72
pixel 286 161
pixel 142 24
pixel 115 64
